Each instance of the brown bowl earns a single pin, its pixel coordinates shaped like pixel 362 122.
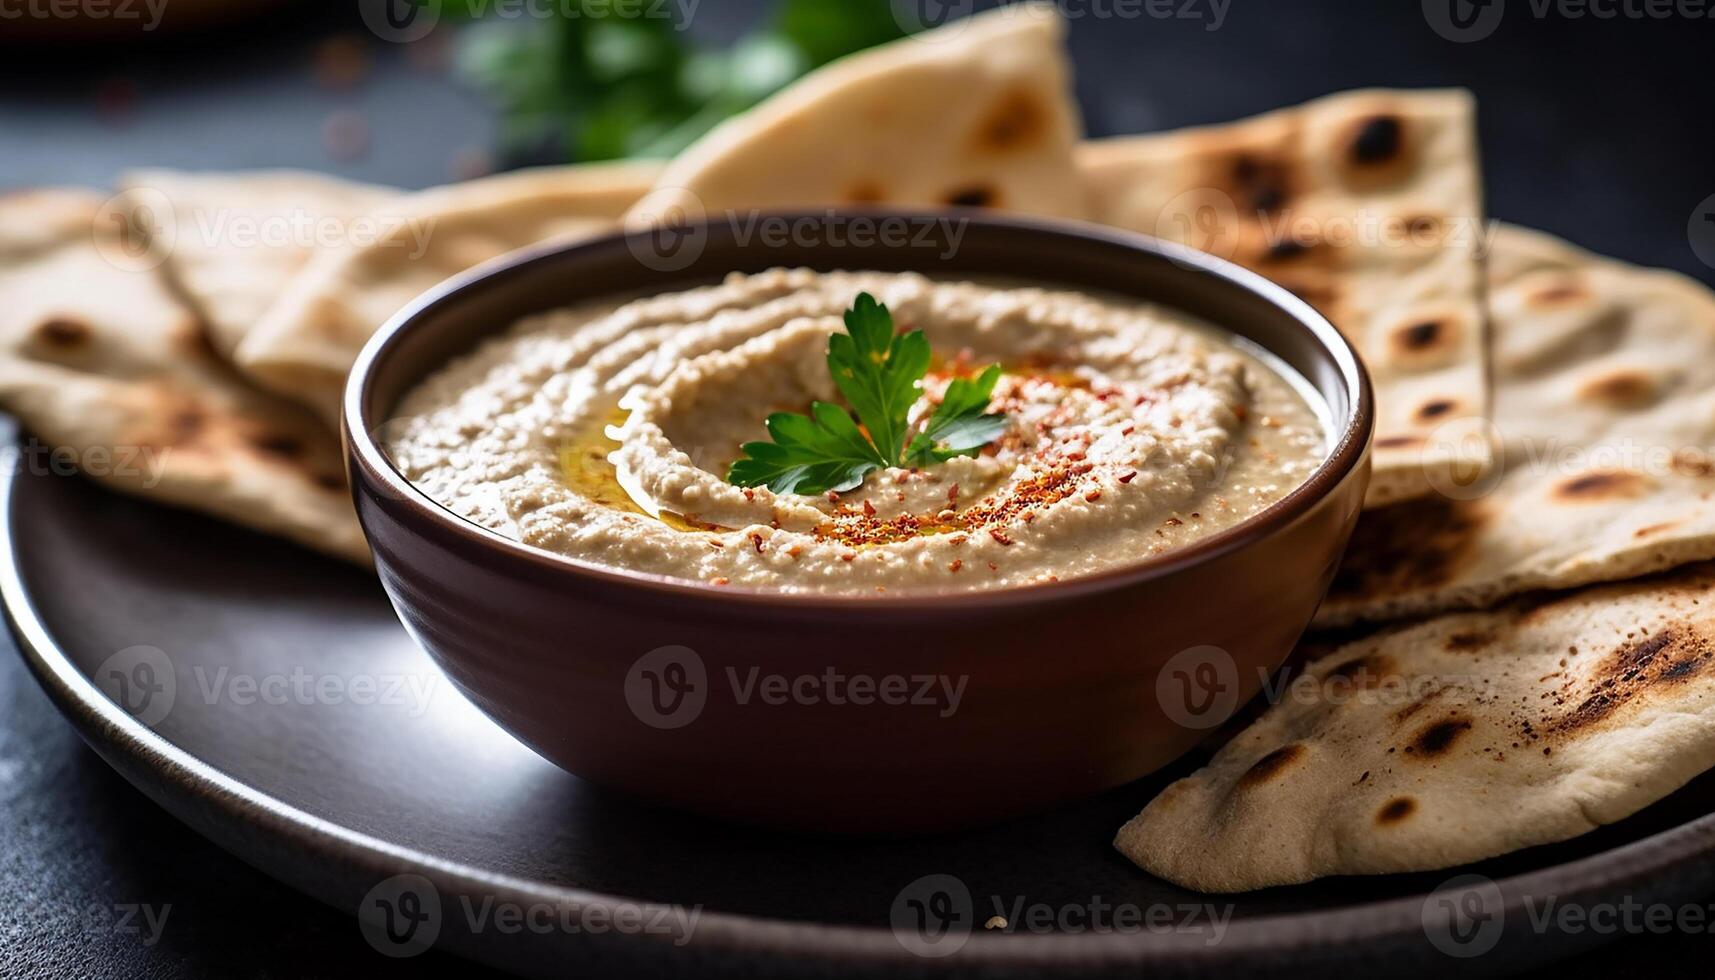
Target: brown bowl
pixel 812 712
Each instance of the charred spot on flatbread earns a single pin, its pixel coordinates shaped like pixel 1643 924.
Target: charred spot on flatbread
pixel 1625 389
pixel 1438 739
pixel 186 423
pixel 277 444
pixel 63 333
pixel 1017 121
pixel 1260 183
pixel 1272 766
pixel 1400 442
pixel 1567 291
pixel 1409 545
pixel 1436 408
pixel 1365 672
pixel 865 192
pixel 1396 810
pixel 1422 229
pixel 975 196
pixel 1377 152
pixel 334 482
pixel 1695 463
pixel 1379 139
pixel 1427 341
pixel 1468 641
pixel 1651 530
pixel 1601 486
pixel 1671 654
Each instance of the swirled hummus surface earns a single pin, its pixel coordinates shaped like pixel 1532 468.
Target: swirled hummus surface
pixel 604 432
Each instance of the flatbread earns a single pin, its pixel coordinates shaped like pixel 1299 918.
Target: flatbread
pixel 231 242
pixel 979 113
pixel 1367 205
pixel 1454 740
pixel 1605 407
pixel 308 340
pixel 104 366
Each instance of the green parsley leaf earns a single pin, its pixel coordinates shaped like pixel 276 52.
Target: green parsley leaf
pixel 959 426
pixel 808 455
pixel 878 373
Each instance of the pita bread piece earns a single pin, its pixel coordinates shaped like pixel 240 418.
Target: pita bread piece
pixel 233 241
pixel 976 113
pixel 1367 205
pixel 1455 740
pixel 308 339
pixel 1605 408
pixel 101 363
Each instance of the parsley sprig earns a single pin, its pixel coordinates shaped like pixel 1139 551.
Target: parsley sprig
pixel 878 373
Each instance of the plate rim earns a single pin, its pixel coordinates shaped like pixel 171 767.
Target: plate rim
pixel 109 729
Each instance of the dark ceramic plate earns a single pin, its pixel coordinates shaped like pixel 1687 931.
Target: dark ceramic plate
pixel 351 760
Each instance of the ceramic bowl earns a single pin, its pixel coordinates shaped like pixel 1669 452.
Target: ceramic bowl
pixel 867 714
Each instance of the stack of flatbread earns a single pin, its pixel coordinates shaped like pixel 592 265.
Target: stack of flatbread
pixel 1546 418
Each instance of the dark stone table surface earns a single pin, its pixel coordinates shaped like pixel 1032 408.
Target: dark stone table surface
pixel 1600 129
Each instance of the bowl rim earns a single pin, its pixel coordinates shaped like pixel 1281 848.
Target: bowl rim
pixel 1354 431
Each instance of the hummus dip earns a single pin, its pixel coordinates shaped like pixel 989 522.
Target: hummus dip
pixel 604 433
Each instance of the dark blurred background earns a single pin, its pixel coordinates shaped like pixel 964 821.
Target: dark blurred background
pixel 1599 129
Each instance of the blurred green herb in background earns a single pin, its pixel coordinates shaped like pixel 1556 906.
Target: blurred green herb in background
pixel 601 80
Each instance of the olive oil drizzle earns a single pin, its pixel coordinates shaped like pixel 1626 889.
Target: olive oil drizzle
pixel 585 468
